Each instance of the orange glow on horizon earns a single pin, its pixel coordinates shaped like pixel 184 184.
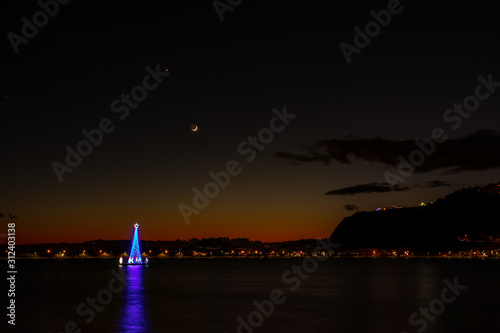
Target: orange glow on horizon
pixel 264 227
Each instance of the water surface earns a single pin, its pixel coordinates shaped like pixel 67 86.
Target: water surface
pixel 208 295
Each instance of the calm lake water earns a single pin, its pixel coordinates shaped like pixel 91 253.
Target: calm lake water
pixel 208 295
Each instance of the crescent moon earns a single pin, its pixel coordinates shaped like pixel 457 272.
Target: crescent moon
pixel 194 128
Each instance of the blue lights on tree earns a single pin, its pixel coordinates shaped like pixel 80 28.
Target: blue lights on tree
pixel 135 249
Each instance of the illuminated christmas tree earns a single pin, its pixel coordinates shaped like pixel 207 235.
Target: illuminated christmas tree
pixel 135 249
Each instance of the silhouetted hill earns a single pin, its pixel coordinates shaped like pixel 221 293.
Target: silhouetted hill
pixel 466 218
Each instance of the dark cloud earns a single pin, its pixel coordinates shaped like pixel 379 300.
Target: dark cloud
pixel 478 151
pixel 436 183
pixel 367 188
pixel 350 207
pixel 298 158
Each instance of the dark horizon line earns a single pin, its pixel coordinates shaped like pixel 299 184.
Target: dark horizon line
pixel 177 240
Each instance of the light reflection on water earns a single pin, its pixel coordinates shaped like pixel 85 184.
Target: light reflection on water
pixel 133 318
pixel 344 295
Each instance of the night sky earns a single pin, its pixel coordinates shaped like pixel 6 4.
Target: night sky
pixel 352 120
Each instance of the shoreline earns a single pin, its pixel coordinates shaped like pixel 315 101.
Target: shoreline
pixel 266 258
